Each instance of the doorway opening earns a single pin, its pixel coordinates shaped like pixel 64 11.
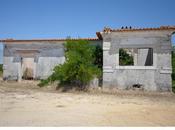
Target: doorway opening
pixel 27 65
pixel 1 58
pixel 173 61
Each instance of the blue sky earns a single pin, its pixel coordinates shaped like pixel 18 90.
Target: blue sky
pixel 30 19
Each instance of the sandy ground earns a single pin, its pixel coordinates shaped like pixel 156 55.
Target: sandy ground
pixel 27 105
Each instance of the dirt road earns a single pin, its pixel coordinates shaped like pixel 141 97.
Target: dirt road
pixel 27 105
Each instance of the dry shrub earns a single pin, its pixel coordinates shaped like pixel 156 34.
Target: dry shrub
pixel 28 74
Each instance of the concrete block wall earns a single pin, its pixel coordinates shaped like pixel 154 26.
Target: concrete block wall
pixel 10 68
pixel 153 78
pixel 125 77
pixel 45 66
pixel 49 55
pixel 46 55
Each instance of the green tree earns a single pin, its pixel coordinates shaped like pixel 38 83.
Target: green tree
pixel 78 69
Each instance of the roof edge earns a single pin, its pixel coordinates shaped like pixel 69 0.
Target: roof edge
pixel 130 29
pixel 45 40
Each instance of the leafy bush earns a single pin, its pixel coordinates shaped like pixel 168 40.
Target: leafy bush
pixel 78 69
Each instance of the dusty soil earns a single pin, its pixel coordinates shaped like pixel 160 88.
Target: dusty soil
pixel 25 104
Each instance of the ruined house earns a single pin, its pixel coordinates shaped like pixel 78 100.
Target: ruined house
pixel 152 58
pixel 34 59
pixel 150 47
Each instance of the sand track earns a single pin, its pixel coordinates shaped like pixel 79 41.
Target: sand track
pixel 25 104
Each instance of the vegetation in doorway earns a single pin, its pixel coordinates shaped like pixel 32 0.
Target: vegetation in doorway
pixel 173 70
pixel 1 69
pixel 81 66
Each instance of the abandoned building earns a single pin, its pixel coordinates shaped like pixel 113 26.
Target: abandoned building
pixel 150 48
pixel 152 58
pixel 34 59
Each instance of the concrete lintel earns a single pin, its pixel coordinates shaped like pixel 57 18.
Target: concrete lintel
pixel 107 67
pixel 137 67
pixel 166 70
pixel 108 71
pixel 106 48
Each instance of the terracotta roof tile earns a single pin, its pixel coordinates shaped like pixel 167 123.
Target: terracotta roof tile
pixel 128 29
pixel 105 30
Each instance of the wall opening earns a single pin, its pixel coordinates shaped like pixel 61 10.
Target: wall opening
pixel 173 40
pixel 126 57
pixel 1 52
pixel 27 65
pixel 145 57
pixel 136 57
pixel 1 58
pixel 173 61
